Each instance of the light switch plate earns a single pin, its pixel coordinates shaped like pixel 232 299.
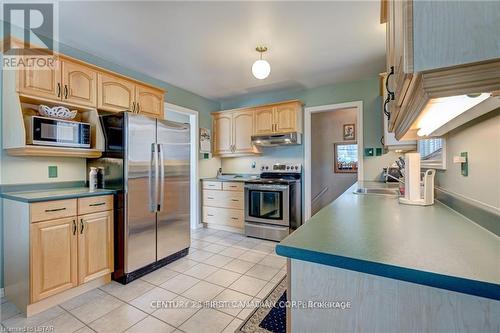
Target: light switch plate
pixel 52 171
pixel 464 166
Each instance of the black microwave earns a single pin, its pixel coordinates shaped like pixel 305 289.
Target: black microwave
pixel 57 132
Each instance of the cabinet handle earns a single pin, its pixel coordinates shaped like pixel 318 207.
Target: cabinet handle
pixel 232 186
pixel 390 93
pixel 210 214
pixel 54 210
pixel 81 226
pixel 386 112
pixel 65 91
pixel 97 204
pixel 58 89
pixel 211 198
pixel 236 200
pixel 133 107
pixel 382 141
pixel 74 227
pixel 138 107
pixel 234 218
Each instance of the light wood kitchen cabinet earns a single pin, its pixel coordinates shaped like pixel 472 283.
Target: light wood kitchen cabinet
pixel 425 62
pixel 53 264
pixel 149 101
pixel 95 245
pixel 79 83
pixel 40 83
pixel 242 132
pixel 115 93
pixel 278 118
pixel 264 120
pixel 233 133
pixel 223 204
pixel 57 249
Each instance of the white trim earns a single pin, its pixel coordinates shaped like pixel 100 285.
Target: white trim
pixel 195 176
pixel 307 144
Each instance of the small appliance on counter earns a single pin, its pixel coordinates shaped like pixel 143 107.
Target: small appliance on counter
pixel 273 203
pixel 414 193
pixel 46 131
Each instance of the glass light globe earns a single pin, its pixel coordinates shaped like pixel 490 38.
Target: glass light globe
pixel 261 69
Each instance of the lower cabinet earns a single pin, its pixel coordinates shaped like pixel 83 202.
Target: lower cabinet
pixel 53 257
pixel 95 246
pixel 70 251
pixel 223 204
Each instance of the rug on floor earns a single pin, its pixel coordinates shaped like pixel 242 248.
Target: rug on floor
pixel 268 318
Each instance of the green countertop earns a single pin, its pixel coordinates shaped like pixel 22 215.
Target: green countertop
pixel 55 194
pixel 431 245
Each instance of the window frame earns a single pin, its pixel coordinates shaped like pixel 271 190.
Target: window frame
pixel 437 164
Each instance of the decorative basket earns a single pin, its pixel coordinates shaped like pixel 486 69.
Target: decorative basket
pixel 60 112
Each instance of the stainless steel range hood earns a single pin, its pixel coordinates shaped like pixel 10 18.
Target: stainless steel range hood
pixel 273 140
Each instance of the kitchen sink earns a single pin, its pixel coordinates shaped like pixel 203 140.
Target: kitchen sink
pixel 391 192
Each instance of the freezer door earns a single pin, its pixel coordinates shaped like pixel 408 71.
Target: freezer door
pixel 140 215
pixel 174 199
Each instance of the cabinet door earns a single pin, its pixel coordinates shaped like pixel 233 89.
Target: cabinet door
pixel 95 245
pixel 222 125
pixel 114 93
pixel 264 120
pixel 79 83
pixel 243 131
pixel 44 83
pixel 149 101
pixel 285 118
pixel 53 257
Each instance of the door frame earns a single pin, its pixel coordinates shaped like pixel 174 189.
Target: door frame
pixel 308 111
pixel 194 186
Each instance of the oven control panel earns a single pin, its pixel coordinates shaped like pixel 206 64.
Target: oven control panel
pixel 282 168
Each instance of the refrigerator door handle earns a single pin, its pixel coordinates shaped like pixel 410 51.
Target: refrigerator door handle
pixel 153 188
pixel 162 177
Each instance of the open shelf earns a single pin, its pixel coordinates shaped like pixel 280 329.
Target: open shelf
pixel 30 150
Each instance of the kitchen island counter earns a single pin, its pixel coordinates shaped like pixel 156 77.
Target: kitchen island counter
pixel 55 194
pixel 433 246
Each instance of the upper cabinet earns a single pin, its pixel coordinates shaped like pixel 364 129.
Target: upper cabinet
pixel 233 133
pixel 79 83
pixel 278 118
pixel 40 83
pixel 118 94
pixel 149 100
pixel 115 93
pixel 427 66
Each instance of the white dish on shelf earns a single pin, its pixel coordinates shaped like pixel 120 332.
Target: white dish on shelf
pixel 60 112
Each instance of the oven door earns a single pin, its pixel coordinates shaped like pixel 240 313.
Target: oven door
pixel 267 203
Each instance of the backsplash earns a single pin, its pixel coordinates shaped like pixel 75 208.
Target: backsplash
pixel 480 139
pixel 292 154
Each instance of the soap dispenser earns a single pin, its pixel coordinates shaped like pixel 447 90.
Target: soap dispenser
pixel 414 193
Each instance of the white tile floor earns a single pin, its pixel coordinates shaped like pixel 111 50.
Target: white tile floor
pixel 221 266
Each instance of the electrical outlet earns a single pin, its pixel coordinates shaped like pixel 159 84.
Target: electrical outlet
pixel 369 152
pixel 52 171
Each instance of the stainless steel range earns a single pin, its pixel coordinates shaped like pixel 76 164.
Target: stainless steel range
pixel 273 203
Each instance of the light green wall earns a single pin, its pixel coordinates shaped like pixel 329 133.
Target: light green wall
pixel 364 90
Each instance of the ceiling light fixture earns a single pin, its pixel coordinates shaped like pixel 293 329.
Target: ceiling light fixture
pixel 261 68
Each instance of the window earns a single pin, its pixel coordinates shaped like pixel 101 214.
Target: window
pixel 345 158
pixel 432 153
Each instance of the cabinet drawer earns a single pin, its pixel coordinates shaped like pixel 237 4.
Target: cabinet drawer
pixel 232 186
pixel 224 216
pixel 95 204
pixel 223 199
pixel 49 210
pixel 211 185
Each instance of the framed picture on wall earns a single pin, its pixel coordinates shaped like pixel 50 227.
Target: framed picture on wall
pixel 349 132
pixel 205 138
pixel 345 157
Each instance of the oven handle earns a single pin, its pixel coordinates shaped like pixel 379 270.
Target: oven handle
pixel 266 187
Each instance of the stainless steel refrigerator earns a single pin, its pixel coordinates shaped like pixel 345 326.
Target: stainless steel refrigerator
pixel 148 161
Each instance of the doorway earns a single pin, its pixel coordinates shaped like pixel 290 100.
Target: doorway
pixel 184 115
pixel 333 152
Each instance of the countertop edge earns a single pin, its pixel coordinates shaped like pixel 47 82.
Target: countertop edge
pixel 12 196
pixel 436 280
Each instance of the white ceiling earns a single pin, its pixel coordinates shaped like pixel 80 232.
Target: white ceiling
pixel 208 47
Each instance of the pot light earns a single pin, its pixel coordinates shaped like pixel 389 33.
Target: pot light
pixel 439 111
pixel 261 68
